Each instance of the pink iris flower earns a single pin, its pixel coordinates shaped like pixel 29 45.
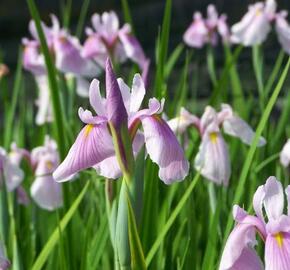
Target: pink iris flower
pixel 94 146
pixel 107 39
pixel 206 30
pixel 4 262
pixel 66 52
pixel 255 26
pixel 274 230
pixel 212 159
pixel 11 171
pixel 45 191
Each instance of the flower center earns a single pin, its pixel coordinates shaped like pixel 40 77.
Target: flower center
pixel 213 137
pixel 279 239
pixel 88 130
pixel 49 165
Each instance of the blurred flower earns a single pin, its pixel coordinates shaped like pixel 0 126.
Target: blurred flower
pixel 285 154
pixel 4 262
pixel 203 31
pixel 212 159
pixel 283 30
pixel 4 70
pixel 239 252
pixel 66 52
pixel 45 191
pixel 94 146
pixel 255 25
pixel 107 39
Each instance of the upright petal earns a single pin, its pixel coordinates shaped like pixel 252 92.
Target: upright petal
pixel 96 100
pixel 164 149
pixel 137 94
pixel 212 159
pixel 116 110
pixel 274 198
pixel 92 145
pixel 258 201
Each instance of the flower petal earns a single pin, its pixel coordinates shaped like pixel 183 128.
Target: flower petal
pixel 285 154
pixel 212 159
pixel 277 252
pixel 46 192
pixel 96 100
pixel 180 123
pixel 93 145
pixel 274 198
pixel 258 201
pixel 164 149
pixel 137 94
pixel 239 250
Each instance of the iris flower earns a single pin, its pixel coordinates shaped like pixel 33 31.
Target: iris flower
pixel 274 231
pixel 206 30
pixel 107 39
pixel 212 159
pixel 45 191
pixel 94 146
pixel 66 53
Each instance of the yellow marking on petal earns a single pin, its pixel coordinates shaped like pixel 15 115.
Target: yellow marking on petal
pixel 213 137
pixel 279 239
pixel 258 12
pixel 49 165
pixel 88 130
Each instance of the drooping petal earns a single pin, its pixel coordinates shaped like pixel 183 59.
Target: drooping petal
pixel 180 123
pixel 236 127
pixel 212 159
pixel 69 59
pixel 46 192
pixel 93 145
pixel 13 175
pixel 253 27
pixel 164 149
pixel 239 250
pixel 285 154
pixel 274 198
pixel 277 252
pixel 283 31
pixel 197 33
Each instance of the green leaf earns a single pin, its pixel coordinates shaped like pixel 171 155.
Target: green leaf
pixel 55 236
pixel 58 112
pixel 81 21
pixel 127 14
pixel 170 221
pixel 137 256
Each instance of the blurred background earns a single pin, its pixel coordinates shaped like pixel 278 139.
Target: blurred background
pixel 147 17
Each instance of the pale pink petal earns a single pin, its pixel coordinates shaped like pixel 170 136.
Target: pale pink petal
pixel 109 168
pixel 209 116
pixel 212 159
pixel 164 149
pixel 93 145
pixel 125 91
pixel 180 123
pixel 277 252
pixel 87 117
pixel 283 31
pixel 137 94
pixel 96 100
pixel 46 192
pixel 197 33
pixel 287 191
pixel 239 249
pixel 258 201
pixel 253 28
pixel 285 154
pixel 274 198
